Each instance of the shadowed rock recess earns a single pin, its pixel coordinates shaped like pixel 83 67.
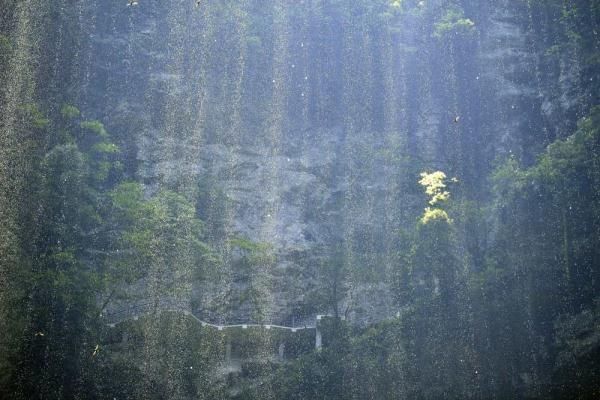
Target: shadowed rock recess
pixel 410 188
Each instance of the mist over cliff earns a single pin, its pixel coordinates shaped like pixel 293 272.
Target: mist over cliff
pixel 314 199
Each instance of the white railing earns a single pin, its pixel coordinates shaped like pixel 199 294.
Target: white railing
pixel 222 327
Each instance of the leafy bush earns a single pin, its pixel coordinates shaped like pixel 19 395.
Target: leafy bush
pixel 453 21
pixel 68 111
pixel 95 126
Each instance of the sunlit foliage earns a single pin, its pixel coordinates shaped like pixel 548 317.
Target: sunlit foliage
pixel 435 187
pixel 453 22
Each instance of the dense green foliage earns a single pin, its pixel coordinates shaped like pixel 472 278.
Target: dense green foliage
pixel 429 350
pixel 98 234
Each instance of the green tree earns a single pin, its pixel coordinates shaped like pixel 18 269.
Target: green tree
pixel 160 242
pixel 433 327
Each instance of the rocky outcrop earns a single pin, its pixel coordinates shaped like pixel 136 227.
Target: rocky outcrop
pixel 268 115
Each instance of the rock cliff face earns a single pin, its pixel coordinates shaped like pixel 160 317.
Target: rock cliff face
pixel 259 161
pixel 311 122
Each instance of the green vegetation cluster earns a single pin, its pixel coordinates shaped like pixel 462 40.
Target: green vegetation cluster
pixel 91 234
pixel 541 267
pixel 453 22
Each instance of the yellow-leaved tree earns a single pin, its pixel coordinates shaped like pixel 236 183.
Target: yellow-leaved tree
pixel 435 187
